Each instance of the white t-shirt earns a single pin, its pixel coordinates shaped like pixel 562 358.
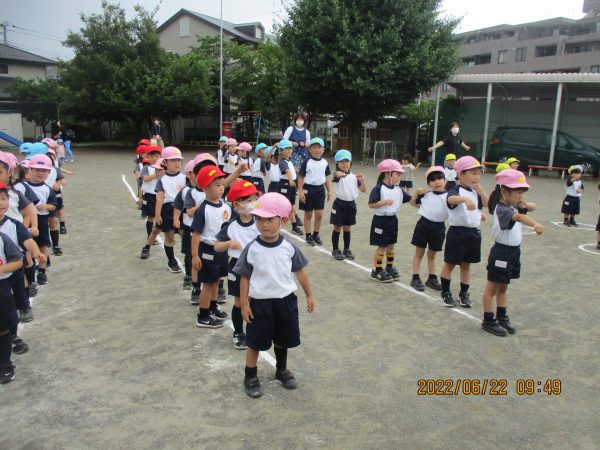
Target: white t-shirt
pixel 346 188
pixel 382 191
pixel 505 230
pixel 236 230
pixel 433 206
pixel 459 215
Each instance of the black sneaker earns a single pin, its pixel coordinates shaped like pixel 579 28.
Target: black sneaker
pixel 337 254
pixel 494 327
pixel 221 296
pixel 209 322
pixel 393 272
pixel 42 278
pixel 239 341
pixel 506 324
pixel 434 284
pixel 63 229
pixel 19 345
pixel 447 300
pixel 25 315
pixel 145 253
pixel 296 230
pixel 348 254
pixel 573 223
pixel 310 241
pixel 32 289
pixel 465 299
pixel 7 374
pixel 219 313
pixel 287 379
pixel 195 297
pixel 57 251
pixel 417 284
pixel 187 283
pixel 381 275
pixel 566 223
pixel 299 221
pixel 173 266
pixel 317 239
pixel 252 386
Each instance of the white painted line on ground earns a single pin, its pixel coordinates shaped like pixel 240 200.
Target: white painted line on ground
pixel 583 247
pixel 265 355
pixel 581 226
pixel 457 310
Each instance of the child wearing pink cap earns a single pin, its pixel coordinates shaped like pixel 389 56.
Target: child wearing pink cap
pixel 385 200
pixel 243 154
pixel 509 211
pixel 182 222
pixel 463 240
pixel 430 230
pixel 269 306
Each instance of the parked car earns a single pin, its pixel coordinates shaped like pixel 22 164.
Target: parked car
pixel 532 146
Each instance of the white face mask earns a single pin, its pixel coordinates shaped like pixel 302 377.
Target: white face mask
pixel 299 123
pixel 246 208
pixel 455 131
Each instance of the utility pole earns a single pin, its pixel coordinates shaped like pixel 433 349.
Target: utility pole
pixel 4 25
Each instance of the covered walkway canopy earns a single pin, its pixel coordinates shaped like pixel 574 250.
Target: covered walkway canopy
pixel 522 85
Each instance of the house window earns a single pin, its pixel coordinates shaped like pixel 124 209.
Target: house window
pixel 595 69
pixel 343 133
pixel 502 56
pixel 547 50
pixel 521 54
pixel 184 27
pixel 3 68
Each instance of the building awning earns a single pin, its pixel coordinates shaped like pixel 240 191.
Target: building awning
pixel 577 85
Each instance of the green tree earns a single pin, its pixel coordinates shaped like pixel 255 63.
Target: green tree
pixel 365 59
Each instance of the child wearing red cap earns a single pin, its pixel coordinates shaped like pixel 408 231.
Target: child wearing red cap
pixel 233 238
pixel 509 211
pixel 463 240
pixel 269 305
pixel 211 265
pixel 40 166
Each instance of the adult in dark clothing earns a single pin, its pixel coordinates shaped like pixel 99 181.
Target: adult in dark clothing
pixel 451 143
pixel 157 132
pixel 66 134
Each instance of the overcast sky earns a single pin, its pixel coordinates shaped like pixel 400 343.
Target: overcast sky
pixel 42 24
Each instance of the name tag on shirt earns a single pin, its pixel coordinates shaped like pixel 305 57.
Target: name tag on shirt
pixel 501 264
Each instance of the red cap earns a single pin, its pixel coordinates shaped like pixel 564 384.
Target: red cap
pixel 141 149
pixel 154 148
pixel 207 175
pixel 4 186
pixel 241 188
pixel 144 142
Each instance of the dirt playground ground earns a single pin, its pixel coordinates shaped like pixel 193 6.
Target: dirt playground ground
pixel 116 361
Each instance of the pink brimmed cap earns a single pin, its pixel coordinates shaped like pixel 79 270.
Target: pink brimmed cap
pixel 389 165
pixel 9 159
pixel 231 141
pixel 189 167
pixel 49 142
pixel 171 153
pixel 433 169
pixel 511 178
pixel 204 157
pixel 272 204
pixel 158 164
pixel 24 163
pixel 40 162
pixel 245 147
pixel 466 163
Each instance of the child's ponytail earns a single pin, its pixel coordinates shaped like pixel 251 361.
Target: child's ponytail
pixel 494 199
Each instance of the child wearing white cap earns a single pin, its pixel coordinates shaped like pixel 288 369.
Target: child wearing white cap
pixel 574 190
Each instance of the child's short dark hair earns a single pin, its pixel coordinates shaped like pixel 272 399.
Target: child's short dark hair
pixel 496 196
pixel 201 164
pixel 435 176
pixel 409 158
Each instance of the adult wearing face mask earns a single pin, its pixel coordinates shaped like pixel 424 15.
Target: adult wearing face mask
pixel 451 144
pixel 300 138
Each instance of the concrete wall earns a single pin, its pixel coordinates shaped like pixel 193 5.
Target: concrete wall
pixel 25 71
pixel 578 118
pixel 10 123
pixel 172 40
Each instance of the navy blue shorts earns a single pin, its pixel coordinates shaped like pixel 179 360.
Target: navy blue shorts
pixel 598 224
pixel 504 263
pixel 273 186
pixel 570 205
pixel 20 293
pixel 287 191
pixel 149 204
pixel 166 213
pixel 59 200
pixel 43 238
pixel 463 245
pixel 429 234
pixel 343 213
pixel 384 230
pixel 259 183
pixel 275 322
pixel 314 196
pixel 406 184
pixel 8 311
pixel 233 279
pixel 186 239
pixel 214 265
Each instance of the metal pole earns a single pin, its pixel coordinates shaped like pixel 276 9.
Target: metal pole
pixel 417 133
pixel 435 122
pixel 486 126
pixel 221 76
pixel 555 124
